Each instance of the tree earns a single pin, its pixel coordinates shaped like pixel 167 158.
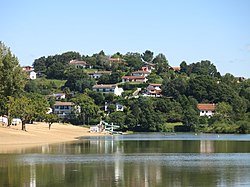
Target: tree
pixel 205 67
pixel 118 118
pixel 56 71
pixel 50 119
pixel 88 108
pixel 174 88
pixel 114 78
pixel 161 62
pixel 184 67
pixel 148 56
pixel 98 97
pixel 27 108
pixel 12 78
pixel 40 65
pixel 133 60
pixel 78 80
pixel 55 66
pixel 223 111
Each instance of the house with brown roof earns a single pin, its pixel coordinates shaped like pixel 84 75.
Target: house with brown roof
pixel 154 90
pixel 80 64
pixel 108 88
pixel 98 74
pixel 206 109
pixel 64 109
pixel 175 68
pixel 29 70
pixel 116 60
pixel 134 79
pixel 147 68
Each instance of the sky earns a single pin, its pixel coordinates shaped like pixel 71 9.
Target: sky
pixel 183 30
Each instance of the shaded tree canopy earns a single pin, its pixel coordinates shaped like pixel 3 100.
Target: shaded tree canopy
pixel 148 56
pixel 12 78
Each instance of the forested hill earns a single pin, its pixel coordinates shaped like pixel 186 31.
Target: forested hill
pixel 182 88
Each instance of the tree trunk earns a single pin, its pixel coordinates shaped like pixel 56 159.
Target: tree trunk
pixel 23 125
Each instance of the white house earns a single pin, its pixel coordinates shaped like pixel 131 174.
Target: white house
pixel 50 111
pixel 98 74
pixel 118 106
pixel 64 109
pixel 134 79
pixel 140 73
pixel 146 68
pixel 32 75
pixel 3 120
pixel 58 96
pixel 108 88
pixel 30 72
pixel 154 90
pixel 206 109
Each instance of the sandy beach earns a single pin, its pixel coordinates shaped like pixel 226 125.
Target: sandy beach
pixel 13 138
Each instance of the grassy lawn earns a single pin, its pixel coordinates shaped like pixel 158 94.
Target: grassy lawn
pixel 57 83
pixel 48 86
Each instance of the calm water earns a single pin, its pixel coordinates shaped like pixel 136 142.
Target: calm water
pixel 138 160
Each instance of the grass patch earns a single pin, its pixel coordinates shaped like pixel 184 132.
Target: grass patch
pixel 169 127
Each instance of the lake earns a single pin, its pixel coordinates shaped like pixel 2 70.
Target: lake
pixel 135 160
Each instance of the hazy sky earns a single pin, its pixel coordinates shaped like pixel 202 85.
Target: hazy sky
pixel 190 30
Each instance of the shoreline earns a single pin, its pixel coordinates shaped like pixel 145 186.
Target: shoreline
pixel 13 139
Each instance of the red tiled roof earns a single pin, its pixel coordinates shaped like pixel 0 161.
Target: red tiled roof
pixel 59 103
pixel 207 107
pixel 176 68
pixel 140 71
pixel 116 60
pixel 133 77
pixel 155 85
pixel 78 62
pixel 104 86
pixel 27 68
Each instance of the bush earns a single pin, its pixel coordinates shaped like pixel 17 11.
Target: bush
pixel 244 127
pixel 221 127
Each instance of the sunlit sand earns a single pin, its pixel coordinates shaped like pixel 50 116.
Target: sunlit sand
pixel 13 138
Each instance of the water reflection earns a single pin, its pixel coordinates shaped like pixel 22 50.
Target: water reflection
pixel 130 161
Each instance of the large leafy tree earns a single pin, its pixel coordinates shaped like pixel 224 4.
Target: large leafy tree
pixel 78 80
pixel 205 67
pixel 147 56
pixel 174 88
pixel 134 60
pixel 54 66
pixel 12 78
pixel 88 109
pixel 114 78
pixel 161 62
pixel 27 107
